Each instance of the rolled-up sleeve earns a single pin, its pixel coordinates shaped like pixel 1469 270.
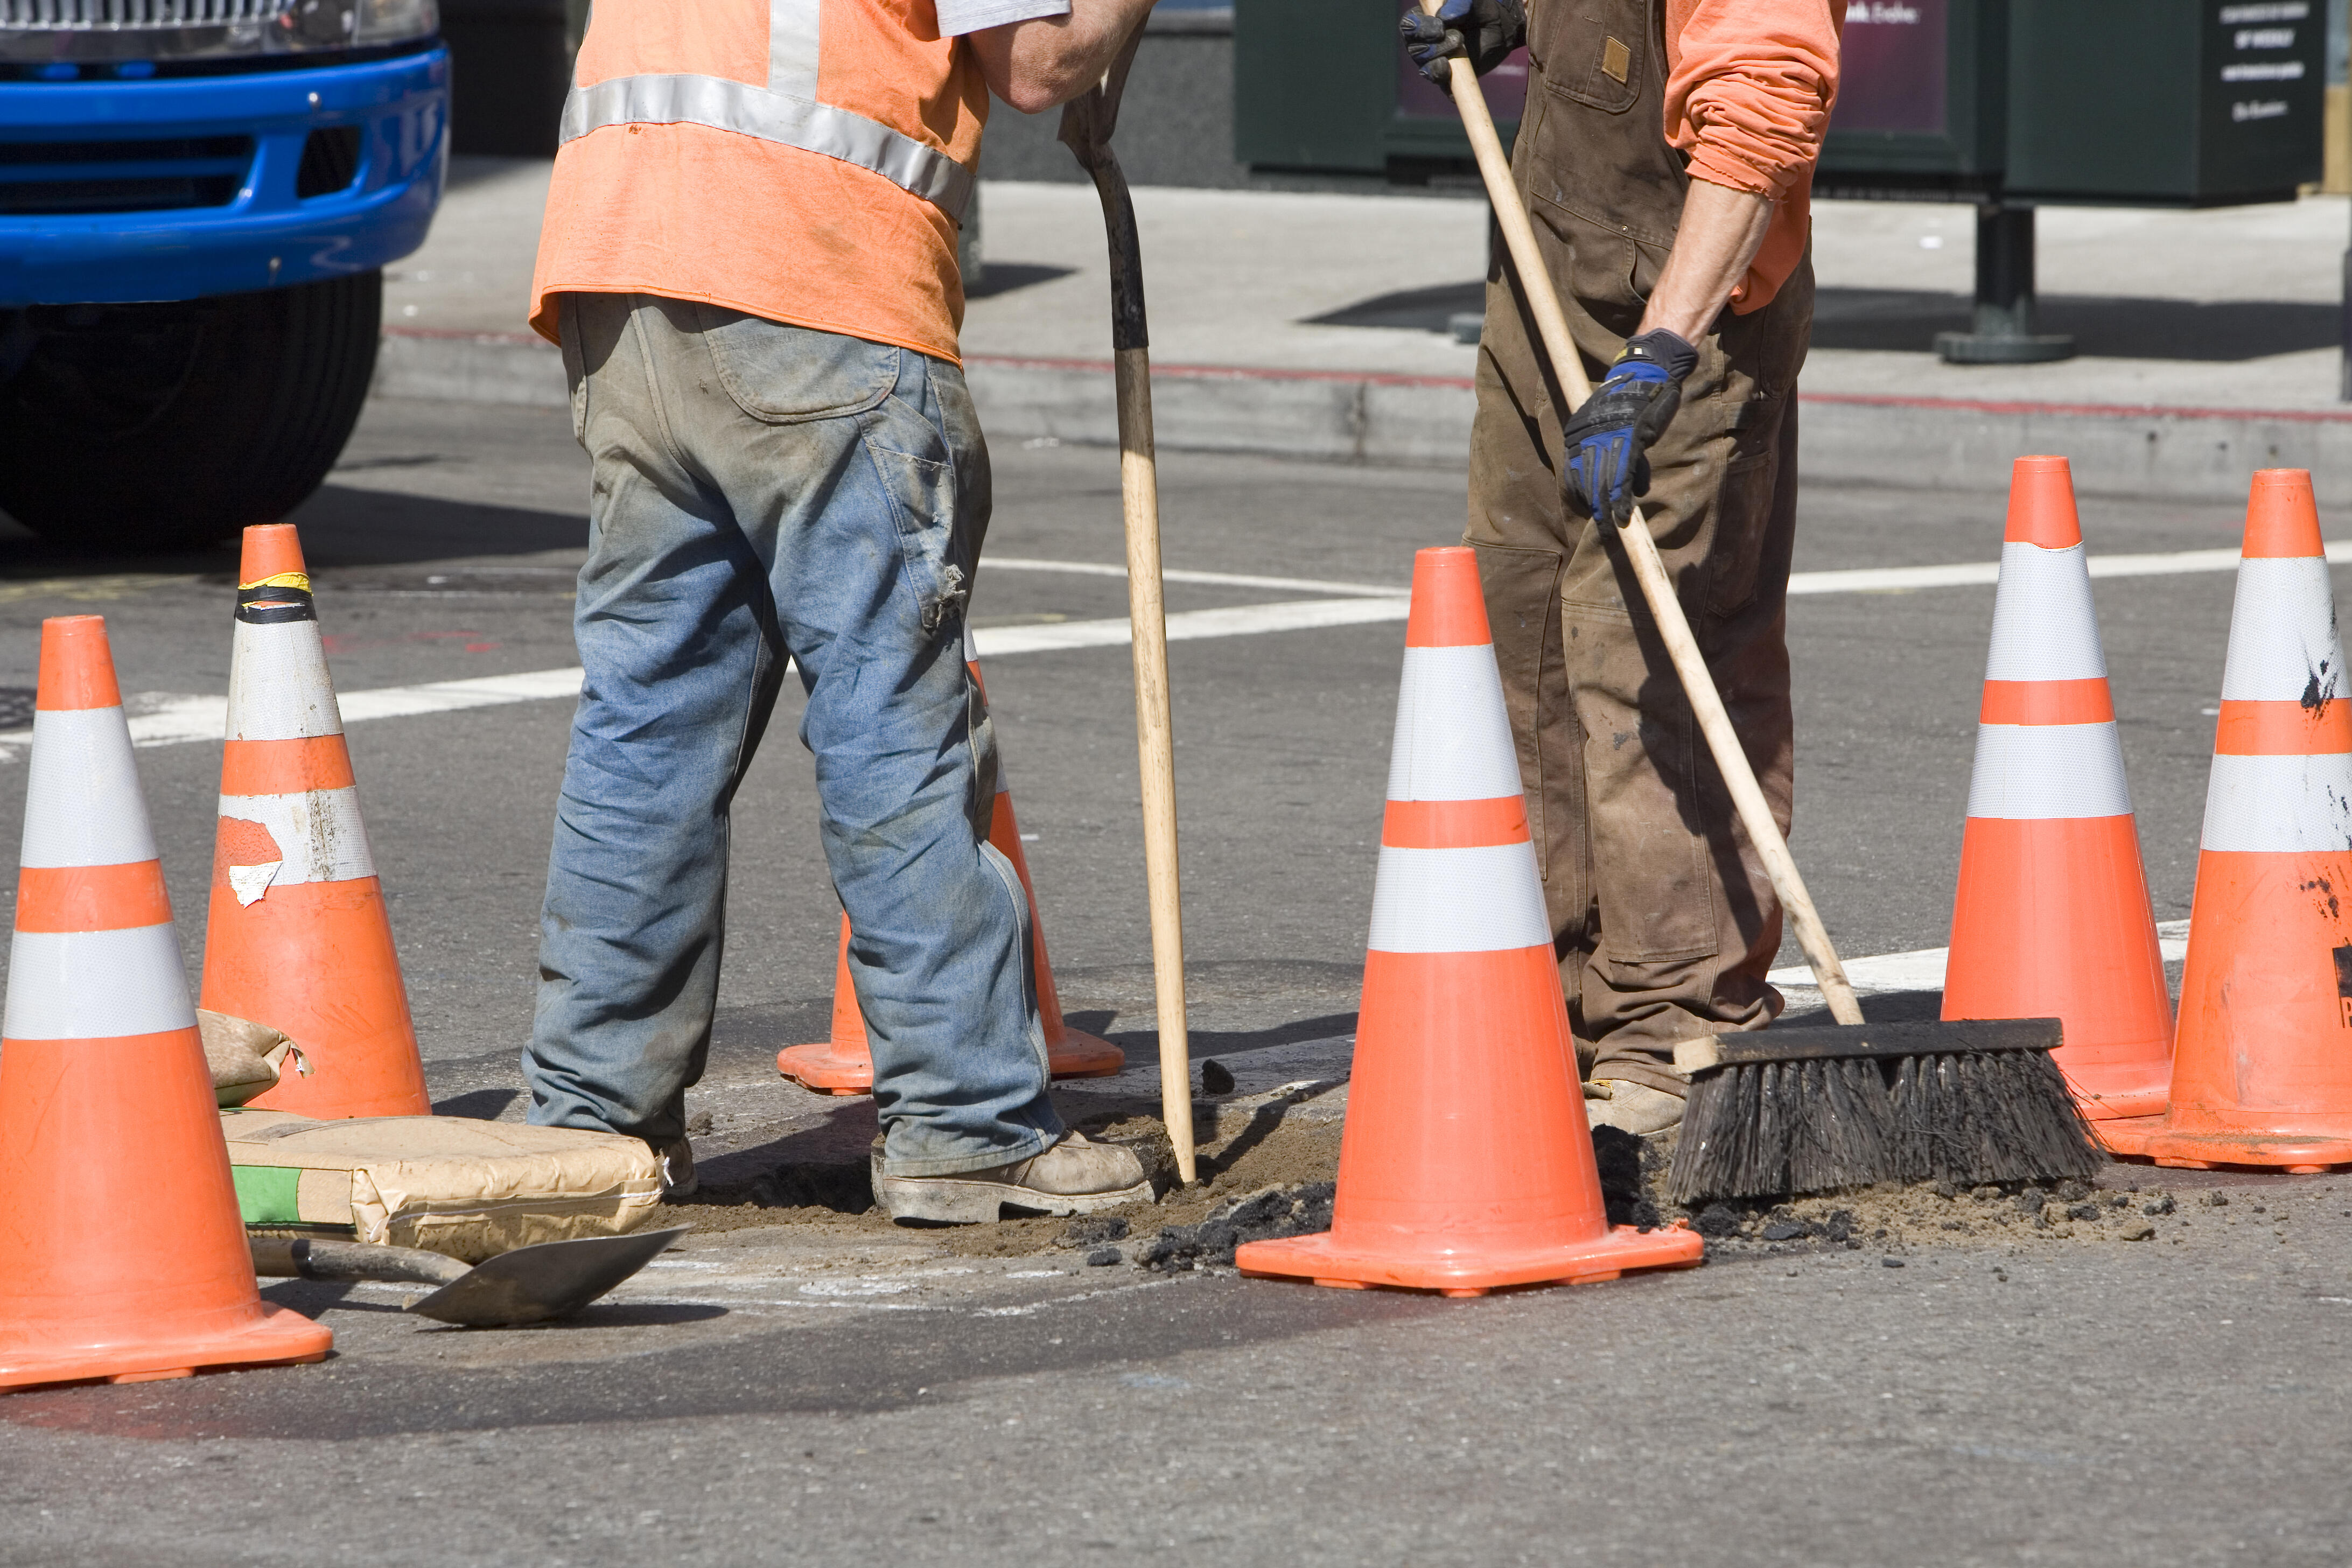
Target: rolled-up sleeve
pixel 1748 88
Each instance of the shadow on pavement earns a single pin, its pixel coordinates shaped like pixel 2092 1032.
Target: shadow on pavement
pixel 845 1363
pixel 1143 1044
pixel 477 1105
pixel 1004 277
pixel 341 528
pixel 1903 320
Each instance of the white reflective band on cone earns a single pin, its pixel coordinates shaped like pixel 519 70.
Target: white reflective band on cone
pixel 82 804
pixel 279 689
pixel 2037 771
pixel 2044 627
pixel 319 834
pixel 2280 805
pixel 1453 734
pixel 96 984
pixel 1487 899
pixel 2282 637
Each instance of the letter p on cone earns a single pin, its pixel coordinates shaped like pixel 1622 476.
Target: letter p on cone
pixel 1465 1164
pixel 299 937
pixel 123 1256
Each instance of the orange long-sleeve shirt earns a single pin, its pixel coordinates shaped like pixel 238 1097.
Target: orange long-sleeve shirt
pixel 1749 84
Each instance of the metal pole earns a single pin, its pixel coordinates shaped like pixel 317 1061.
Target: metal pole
pixel 2001 328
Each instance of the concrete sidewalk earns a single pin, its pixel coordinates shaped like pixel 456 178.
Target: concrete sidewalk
pixel 1315 325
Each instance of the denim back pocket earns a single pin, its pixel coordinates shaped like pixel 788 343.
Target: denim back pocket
pixel 782 374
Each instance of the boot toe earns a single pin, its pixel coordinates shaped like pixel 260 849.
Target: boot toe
pixel 1634 1107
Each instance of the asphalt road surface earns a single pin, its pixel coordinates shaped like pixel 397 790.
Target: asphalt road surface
pixel 756 1399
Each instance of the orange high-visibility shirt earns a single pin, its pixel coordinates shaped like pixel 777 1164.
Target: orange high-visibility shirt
pixel 806 161
pixel 1749 85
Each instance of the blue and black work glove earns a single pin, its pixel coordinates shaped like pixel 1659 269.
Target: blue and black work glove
pixel 1608 440
pixel 1485 30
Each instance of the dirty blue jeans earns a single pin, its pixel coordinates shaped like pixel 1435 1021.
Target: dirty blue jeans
pixel 763 495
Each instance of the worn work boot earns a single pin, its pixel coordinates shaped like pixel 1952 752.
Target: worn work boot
pixel 1076 1176
pixel 675 1157
pixel 1629 1107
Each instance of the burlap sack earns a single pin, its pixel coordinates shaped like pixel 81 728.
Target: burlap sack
pixel 245 1057
pixel 467 1189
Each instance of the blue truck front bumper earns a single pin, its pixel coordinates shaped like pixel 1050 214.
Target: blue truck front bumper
pixel 247 134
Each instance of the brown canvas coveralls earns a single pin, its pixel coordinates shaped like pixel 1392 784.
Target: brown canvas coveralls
pixel 1662 916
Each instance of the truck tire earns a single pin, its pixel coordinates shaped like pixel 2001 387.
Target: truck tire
pixel 152 425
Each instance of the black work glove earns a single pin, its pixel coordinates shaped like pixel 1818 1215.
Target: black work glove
pixel 1485 30
pixel 1608 440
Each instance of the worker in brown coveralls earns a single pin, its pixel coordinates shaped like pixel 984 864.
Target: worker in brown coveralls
pixel 1666 156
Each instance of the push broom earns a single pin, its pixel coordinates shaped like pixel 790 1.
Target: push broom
pixel 1808 1109
pixel 1087 122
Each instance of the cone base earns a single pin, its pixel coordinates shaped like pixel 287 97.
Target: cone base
pixel 277 1336
pixel 2209 1141
pixel 2117 1094
pixel 1327 1260
pixel 830 1067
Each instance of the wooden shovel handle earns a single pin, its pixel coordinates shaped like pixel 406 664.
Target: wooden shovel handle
pixel 1086 125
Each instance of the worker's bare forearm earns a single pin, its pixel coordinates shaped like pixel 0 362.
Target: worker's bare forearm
pixel 1049 60
pixel 1720 232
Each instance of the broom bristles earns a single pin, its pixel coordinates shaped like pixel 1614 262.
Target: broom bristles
pixel 1772 1129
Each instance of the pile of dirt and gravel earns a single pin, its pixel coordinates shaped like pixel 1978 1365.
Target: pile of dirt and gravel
pixel 836 1199
pixel 1300 1209
pixel 2127 1204
pixel 1275 1177
pixel 1897 1218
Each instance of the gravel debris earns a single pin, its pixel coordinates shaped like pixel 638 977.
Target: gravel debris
pixel 1297 1210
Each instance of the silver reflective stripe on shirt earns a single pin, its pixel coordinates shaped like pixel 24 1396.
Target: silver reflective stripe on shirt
pixel 728 105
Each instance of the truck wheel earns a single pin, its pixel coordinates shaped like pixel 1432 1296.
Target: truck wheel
pixel 145 427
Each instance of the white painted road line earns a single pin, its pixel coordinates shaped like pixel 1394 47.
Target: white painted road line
pixel 1190 626
pixel 1984 574
pixel 1177 574
pixel 1924 970
pixel 170 719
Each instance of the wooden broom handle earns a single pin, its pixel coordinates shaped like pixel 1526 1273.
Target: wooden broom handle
pixel 1560 346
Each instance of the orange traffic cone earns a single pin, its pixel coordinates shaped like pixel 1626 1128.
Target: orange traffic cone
pixel 1466 1163
pixel 844 1064
pixel 123 1257
pixel 2052 917
pixel 2262 1067
pixel 299 939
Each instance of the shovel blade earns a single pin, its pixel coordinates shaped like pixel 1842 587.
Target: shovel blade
pixel 539 1284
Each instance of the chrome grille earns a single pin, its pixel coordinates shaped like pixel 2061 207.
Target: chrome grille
pixel 110 15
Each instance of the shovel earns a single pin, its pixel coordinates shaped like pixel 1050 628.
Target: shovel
pixel 1087 122
pixel 530 1285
